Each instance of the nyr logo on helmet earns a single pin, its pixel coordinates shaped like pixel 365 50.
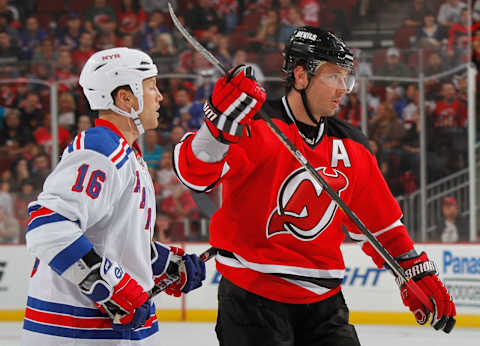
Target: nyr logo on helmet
pixel 111 56
pixel 303 208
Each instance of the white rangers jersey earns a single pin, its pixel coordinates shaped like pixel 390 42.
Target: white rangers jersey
pixel 100 195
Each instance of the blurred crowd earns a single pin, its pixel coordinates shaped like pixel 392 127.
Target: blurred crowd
pixel 45 41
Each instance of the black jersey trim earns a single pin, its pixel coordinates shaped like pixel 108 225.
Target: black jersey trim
pixel 335 127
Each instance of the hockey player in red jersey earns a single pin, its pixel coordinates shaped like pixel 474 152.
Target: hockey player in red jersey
pixel 277 232
pixel 91 227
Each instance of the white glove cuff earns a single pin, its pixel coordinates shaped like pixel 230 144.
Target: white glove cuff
pixel 206 148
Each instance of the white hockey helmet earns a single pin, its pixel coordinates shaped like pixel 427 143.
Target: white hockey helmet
pixel 109 69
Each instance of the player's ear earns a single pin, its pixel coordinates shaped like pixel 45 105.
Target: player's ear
pixel 124 99
pixel 301 77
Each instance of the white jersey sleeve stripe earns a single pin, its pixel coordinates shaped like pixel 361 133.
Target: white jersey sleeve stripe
pixel 363 238
pixel 71 254
pixel 43 216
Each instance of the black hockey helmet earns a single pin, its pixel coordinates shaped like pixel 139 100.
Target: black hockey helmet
pixel 311 46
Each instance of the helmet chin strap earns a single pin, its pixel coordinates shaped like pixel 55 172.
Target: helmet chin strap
pixel 305 102
pixel 133 115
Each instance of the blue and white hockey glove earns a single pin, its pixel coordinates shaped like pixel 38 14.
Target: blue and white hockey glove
pixel 113 291
pixel 172 263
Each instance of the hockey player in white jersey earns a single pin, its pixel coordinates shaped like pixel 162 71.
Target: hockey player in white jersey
pixel 91 226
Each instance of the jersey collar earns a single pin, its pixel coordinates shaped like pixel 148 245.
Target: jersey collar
pixel 321 129
pixel 109 125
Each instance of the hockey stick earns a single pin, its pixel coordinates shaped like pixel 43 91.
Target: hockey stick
pixel 396 268
pixel 170 280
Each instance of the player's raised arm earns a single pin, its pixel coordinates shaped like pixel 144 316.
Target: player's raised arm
pixel 199 159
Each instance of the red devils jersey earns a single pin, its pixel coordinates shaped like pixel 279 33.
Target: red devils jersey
pixel 453 114
pixel 281 231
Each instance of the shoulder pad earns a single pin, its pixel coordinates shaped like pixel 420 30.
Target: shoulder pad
pixel 102 141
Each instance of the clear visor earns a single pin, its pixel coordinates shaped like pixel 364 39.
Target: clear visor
pixel 338 80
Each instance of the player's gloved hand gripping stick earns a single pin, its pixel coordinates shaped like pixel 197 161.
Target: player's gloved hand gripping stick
pixel 408 281
pixel 166 281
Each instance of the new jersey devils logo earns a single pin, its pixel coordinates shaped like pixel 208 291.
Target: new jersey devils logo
pixel 303 209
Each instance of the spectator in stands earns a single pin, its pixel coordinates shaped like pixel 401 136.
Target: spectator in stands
pixel 98 16
pixel 202 17
pixel 352 111
pixel 40 170
pixel 430 35
pixel 167 114
pixel 107 37
pixel 476 11
pixel 449 132
pixel 411 111
pixel 176 135
pixel 64 70
pixel 126 40
pixel 394 96
pixel 43 59
pixel 180 203
pixel 387 128
pixel 377 151
pixel 362 66
pixel 6 200
pixel 163 53
pixel 152 151
pixel 163 231
pixel 185 105
pixel 21 91
pixel 393 66
pixel 68 36
pixel 179 41
pixel 31 37
pixel 157 5
pixel 131 17
pixel 417 11
pixel 84 122
pixel 21 171
pixel 9 228
pixel 43 135
pixel 410 156
pixel 435 65
pixel 461 84
pixel 449 12
pixel 67 109
pixel 15 139
pixel 10 56
pixel 154 27
pixel 267 36
pixel 373 100
pixel 165 175
pixel 293 20
pixel 228 9
pixel 83 52
pixel 23 198
pixel 311 10
pixel 5 25
pixel 458 32
pixel 192 62
pixel 223 51
pixel 240 57
pixel 452 227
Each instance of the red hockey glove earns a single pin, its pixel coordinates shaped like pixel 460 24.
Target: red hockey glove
pixel 236 98
pixel 424 273
pixel 113 290
pixel 189 268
